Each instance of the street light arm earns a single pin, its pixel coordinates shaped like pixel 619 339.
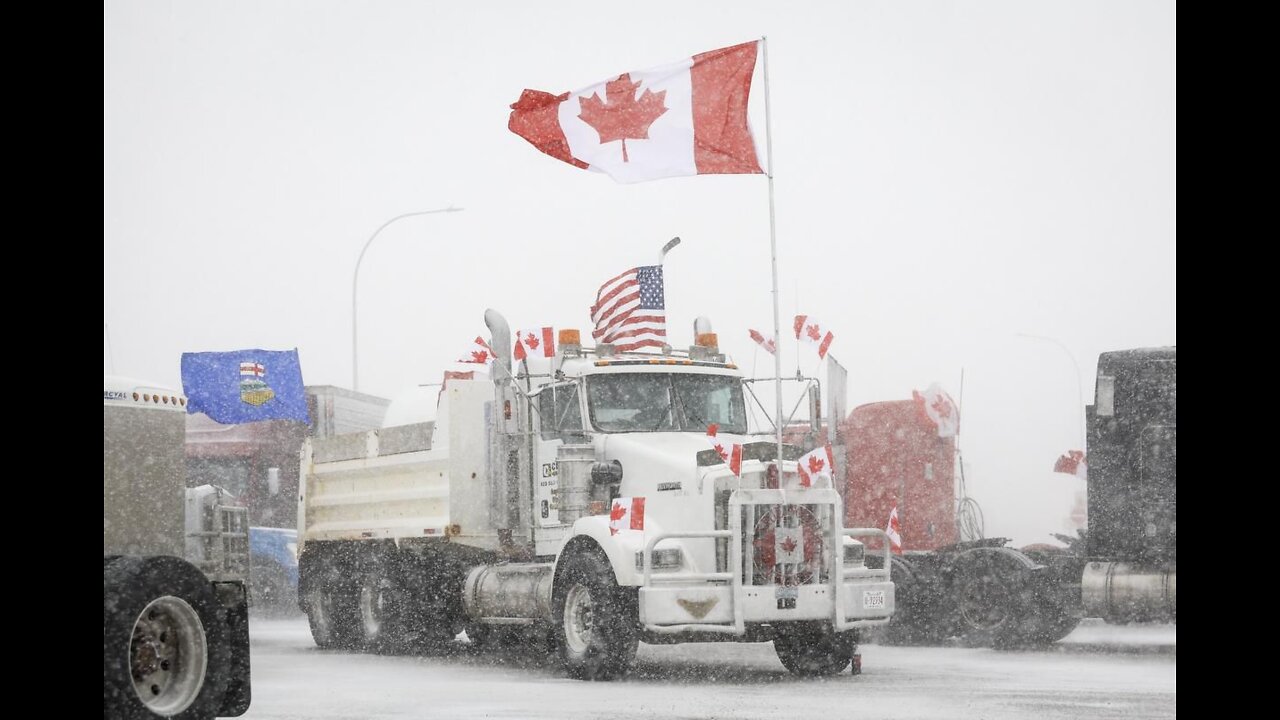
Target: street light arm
pixel 1079 379
pixel 355 283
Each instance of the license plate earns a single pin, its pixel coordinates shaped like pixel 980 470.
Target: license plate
pixel 790 593
pixel 873 599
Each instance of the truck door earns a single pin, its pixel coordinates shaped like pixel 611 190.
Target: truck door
pixel 559 418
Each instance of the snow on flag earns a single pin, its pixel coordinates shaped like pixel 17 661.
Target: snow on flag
pixel 539 342
pixel 1072 464
pixel 939 409
pixel 732 455
pixel 764 341
pixel 245 385
pixel 817 464
pixel 812 332
pixel 627 513
pixel 630 311
pixel 686 118
pixel 894 531
pixel 480 353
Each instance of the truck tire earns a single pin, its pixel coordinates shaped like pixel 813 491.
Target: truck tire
pixel 329 597
pixel 994 599
pixel 815 653
pixel 165 645
pixel 333 616
pixel 595 620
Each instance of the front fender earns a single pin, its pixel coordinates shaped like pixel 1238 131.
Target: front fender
pixel 619 548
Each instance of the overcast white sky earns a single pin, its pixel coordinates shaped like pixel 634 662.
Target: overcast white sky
pixel 948 174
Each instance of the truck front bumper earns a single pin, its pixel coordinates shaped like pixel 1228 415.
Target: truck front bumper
pixel 676 608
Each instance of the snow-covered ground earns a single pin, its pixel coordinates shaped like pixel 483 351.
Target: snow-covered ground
pixel 1098 672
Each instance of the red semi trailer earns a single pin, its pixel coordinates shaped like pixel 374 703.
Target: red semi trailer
pixel 981 592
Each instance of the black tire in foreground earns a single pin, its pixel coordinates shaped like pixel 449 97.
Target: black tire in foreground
pixel 166 651
pixel 815 653
pixel 595 620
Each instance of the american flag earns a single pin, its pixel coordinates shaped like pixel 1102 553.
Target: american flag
pixel 630 312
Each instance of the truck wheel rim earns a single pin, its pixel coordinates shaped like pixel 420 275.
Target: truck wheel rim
pixel 168 656
pixel 318 610
pixel 371 610
pixel 982 604
pixel 578 618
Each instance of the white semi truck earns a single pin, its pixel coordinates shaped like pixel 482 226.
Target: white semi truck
pixel 580 502
pixel 175 631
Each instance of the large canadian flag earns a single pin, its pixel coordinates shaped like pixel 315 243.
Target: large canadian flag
pixel 686 118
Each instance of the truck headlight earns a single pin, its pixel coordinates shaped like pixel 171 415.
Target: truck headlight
pixel 667 559
pixel 854 551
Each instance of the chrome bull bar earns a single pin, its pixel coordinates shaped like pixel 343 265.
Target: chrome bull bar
pixel 737 500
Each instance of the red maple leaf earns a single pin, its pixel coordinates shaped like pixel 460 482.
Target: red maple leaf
pixel 942 407
pixel 789 544
pixel 480 356
pixel 724 455
pixel 614 516
pixel 621 115
pixel 531 341
pixel 816 464
pixel 812 332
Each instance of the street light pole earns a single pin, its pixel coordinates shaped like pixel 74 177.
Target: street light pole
pixel 355 280
pixel 1079 378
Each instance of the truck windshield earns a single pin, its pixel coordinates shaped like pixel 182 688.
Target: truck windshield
pixel 665 402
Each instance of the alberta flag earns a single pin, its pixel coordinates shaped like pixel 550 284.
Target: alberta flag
pixel 245 385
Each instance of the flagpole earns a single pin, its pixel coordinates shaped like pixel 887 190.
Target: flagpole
pixel 773 252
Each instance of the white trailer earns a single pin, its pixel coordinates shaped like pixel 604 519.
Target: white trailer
pixel 175 632
pixel 509 513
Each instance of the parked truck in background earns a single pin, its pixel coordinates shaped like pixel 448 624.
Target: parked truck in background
pixel 175 634
pixel 582 504
pixel 982 591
